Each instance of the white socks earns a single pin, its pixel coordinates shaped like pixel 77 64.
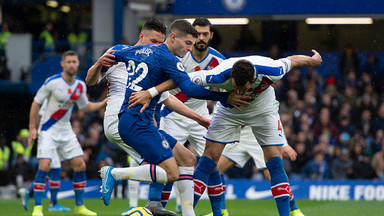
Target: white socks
pixel 185 187
pixel 145 173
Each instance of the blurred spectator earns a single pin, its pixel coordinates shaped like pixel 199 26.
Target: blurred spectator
pixel 318 168
pixel 378 162
pixel 295 82
pixel 5 154
pixel 324 122
pixel 78 41
pixel 289 104
pixel 372 66
pixel 47 39
pixel 379 139
pixel 342 166
pixel 22 173
pixel 302 158
pixel 378 122
pixel 247 41
pixel 20 146
pixel 345 125
pixel 5 73
pixel 363 169
pixel 274 52
pixel 4 34
pixel 348 61
pixel 365 123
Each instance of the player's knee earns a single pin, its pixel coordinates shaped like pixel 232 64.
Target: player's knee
pixel 189 159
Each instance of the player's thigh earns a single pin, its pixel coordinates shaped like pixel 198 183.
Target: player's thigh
pixel 144 138
pixel 111 131
pixel 55 162
pixel 267 129
pixel 176 128
pixel 224 129
pixel 213 150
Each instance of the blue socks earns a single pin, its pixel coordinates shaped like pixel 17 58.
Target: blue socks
pixel 39 186
pixel 79 182
pixel 155 190
pixel 201 175
pixel 215 192
pixel 279 185
pixel 54 184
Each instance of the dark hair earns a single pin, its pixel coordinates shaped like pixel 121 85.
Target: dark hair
pixel 202 21
pixel 183 28
pixel 242 72
pixel 69 53
pixel 155 25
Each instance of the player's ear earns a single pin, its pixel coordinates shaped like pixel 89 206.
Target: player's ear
pixel 173 37
pixel 211 35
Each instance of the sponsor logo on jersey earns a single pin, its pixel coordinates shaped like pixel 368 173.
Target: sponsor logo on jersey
pixel 146 51
pixel 165 144
pixel 180 66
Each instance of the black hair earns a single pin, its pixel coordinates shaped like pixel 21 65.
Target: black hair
pixel 183 28
pixel 242 72
pixel 155 25
pixel 202 21
pixel 69 53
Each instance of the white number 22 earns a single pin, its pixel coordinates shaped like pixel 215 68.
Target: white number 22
pixel 141 68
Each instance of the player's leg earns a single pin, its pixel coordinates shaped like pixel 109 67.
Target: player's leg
pixel 207 170
pixel 45 150
pixel 54 184
pixel 133 189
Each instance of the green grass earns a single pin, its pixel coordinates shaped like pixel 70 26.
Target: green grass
pixel 236 208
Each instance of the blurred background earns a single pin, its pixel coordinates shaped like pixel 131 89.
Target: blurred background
pixel 333 115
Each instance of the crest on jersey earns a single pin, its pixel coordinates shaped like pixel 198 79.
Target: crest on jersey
pixel 180 66
pixel 197 80
pixel 165 144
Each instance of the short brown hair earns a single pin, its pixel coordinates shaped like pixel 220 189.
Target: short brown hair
pixel 242 72
pixel 69 53
pixel 183 28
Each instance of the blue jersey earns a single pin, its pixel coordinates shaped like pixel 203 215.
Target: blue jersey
pixel 151 64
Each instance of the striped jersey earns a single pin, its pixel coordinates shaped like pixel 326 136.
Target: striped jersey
pixel 61 98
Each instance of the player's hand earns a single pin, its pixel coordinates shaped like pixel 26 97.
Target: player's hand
pixel 32 136
pixel 140 98
pixel 107 59
pixel 289 153
pixel 205 122
pixel 316 58
pixel 238 100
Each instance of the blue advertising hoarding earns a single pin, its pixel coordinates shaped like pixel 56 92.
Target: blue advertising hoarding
pixel 254 190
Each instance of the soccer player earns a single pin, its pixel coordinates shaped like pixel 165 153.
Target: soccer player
pixel 148 66
pixel 251 76
pixel 53 182
pixel 153 31
pixel 62 90
pixel 239 153
pixel 202 57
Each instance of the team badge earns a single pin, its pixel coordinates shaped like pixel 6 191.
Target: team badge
pixel 197 80
pixel 165 144
pixel 180 66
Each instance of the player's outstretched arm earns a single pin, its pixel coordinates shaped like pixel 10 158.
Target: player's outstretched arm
pixel 144 97
pixel 303 60
pixel 92 107
pixel 176 105
pixel 33 122
pixel 94 72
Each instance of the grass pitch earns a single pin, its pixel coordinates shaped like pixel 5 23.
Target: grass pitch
pixel 235 207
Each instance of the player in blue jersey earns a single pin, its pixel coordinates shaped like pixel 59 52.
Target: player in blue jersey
pixel 148 66
pixel 253 76
pixel 62 91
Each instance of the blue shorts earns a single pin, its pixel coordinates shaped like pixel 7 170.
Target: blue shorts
pixel 153 145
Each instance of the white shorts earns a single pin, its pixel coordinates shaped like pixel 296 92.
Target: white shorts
pixel 63 145
pixel 111 131
pixel 248 147
pixel 225 127
pixel 183 130
pixel 55 161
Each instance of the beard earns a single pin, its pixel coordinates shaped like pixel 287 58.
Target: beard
pixel 202 49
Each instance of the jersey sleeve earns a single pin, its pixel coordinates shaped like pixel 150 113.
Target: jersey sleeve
pixel 272 69
pixel 44 92
pixel 83 99
pixel 216 77
pixel 176 71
